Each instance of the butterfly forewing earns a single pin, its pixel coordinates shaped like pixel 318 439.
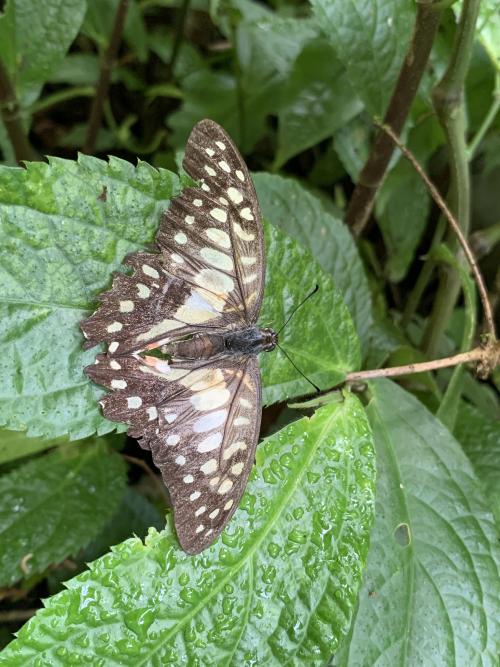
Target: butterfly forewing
pixel 198 413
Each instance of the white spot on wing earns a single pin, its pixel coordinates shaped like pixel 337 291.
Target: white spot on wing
pixel 160 328
pixel 114 365
pixel 219 237
pixel 210 399
pixel 181 460
pixel 200 528
pixel 220 145
pixel 217 259
pixel 189 219
pixel 173 439
pixel 113 346
pixel 248 261
pixel 197 202
pixel 210 152
pixel 114 326
pixel 149 271
pixel 134 402
pixel 118 384
pixel 237 469
pixel 188 479
pixel 241 421
pixel 126 306
pixel 246 213
pixel 240 175
pixel 245 403
pixel 152 413
pixel 224 166
pixel 235 195
pixel 194 496
pixel 200 510
pixel 214 281
pixel 210 421
pixel 233 448
pixel 180 238
pixel 209 467
pixel 177 258
pixel 245 236
pixel 209 444
pixel 226 486
pixel 249 278
pixel 143 291
pixel 213 514
pixel 229 504
pixel 209 170
pixel 218 214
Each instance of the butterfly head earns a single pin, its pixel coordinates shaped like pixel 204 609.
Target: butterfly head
pixel 269 339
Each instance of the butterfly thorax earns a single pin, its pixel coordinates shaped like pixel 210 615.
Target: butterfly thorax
pixel 250 340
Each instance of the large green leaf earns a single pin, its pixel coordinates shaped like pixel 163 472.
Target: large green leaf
pixel 54 505
pixel 300 214
pixel 35 37
pixel 480 438
pixel 370 38
pixel 319 100
pixel 277 588
pixel 431 592
pixel 64 228
pixel 15 445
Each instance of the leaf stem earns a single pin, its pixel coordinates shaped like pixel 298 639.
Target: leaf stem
pixel 449 104
pixel 488 312
pixel 371 177
pixel 488 120
pixel 11 117
pixel 107 63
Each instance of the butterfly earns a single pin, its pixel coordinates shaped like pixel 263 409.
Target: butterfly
pixel 181 362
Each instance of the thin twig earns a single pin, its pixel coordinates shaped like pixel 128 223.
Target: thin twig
pixel 14 615
pixel 11 117
pixel 142 464
pixel 477 354
pixel 102 89
pixel 372 175
pixel 434 192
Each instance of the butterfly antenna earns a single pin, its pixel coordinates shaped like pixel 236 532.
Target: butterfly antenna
pixel 294 311
pixel 298 369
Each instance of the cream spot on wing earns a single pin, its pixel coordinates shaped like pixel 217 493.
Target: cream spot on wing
pixel 245 403
pixel 220 145
pixel 189 219
pixel 180 460
pixel 209 151
pixel 245 236
pixel 237 469
pixel 118 384
pixel 210 421
pixel 219 237
pixel 213 514
pixel 160 328
pixel 226 486
pixel 115 326
pixel 214 281
pixel 229 504
pixel 205 187
pixel 173 439
pixel 177 258
pixel 149 271
pixel 224 166
pixel 233 448
pixel 203 378
pixel 246 214
pixel 191 315
pixel 209 467
pixel 126 306
pixel 217 259
pixel 152 413
pixel 248 261
pixel 235 195
pixel 143 291
pixel 134 402
pixel 194 496
pixel 200 510
pixel 113 346
pixel 241 421
pixel 180 238
pixel 210 443
pixel 218 214
pixel 223 201
pixel 216 302
pixel 214 481
pixel 209 170
pixel 197 202
pixel 210 399
pixel 200 528
pixel 249 279
pixel 240 175
pixel 170 417
pixel 188 479
pixel 114 365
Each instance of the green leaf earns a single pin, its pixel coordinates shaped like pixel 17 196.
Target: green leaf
pixel 371 41
pixel 277 588
pixel 15 445
pixel 35 37
pixel 431 592
pixel 320 338
pixel 480 438
pixel 77 69
pixel 54 505
pixel 60 242
pixel 320 100
pixel 100 19
pixel 289 206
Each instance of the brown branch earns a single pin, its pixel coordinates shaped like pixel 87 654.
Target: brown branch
pixel 142 464
pixel 11 117
pixel 410 75
pixel 107 63
pixel 434 192
pixel 482 355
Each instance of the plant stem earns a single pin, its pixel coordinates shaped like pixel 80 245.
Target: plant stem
pixel 142 464
pixel 415 62
pixel 102 89
pixel 477 354
pixel 15 615
pixel 62 96
pixel 434 192
pixel 179 35
pixel 448 102
pixel 488 120
pixel 11 117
